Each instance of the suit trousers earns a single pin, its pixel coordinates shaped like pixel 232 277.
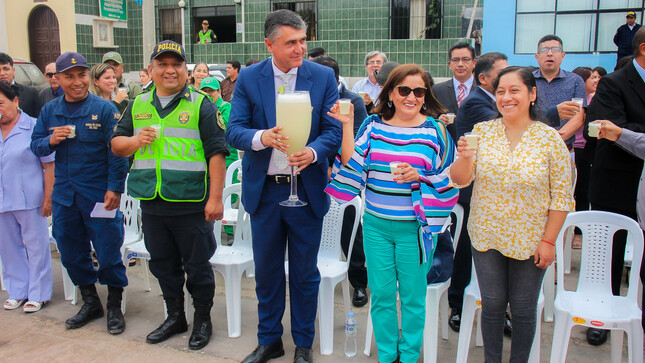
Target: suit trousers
pixel 277 229
pixel 181 245
pixel 357 271
pixel 462 264
pixel 74 229
pixel 25 253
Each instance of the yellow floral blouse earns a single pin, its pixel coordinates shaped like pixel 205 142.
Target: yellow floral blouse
pixel 514 191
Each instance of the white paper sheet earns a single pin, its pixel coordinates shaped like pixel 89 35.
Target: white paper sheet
pixel 99 211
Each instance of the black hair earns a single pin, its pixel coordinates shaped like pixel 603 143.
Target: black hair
pixel 601 71
pixel 529 81
pixel 252 61
pixel 485 64
pixel 583 72
pixel 623 62
pixel 235 64
pixel 8 90
pixel 6 59
pixel 278 18
pixel 328 61
pixel 316 52
pixel 386 109
pixel 549 37
pixel 461 45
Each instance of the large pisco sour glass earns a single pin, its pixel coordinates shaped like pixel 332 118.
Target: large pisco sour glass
pixel 293 113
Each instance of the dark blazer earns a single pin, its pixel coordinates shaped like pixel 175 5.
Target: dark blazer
pixel 445 93
pixel 29 100
pixel 615 173
pixel 476 108
pixel 253 109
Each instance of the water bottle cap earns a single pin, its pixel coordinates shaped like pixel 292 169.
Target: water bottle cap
pixel 350 314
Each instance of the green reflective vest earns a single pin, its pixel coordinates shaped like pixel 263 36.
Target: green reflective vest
pixel 205 36
pixel 172 167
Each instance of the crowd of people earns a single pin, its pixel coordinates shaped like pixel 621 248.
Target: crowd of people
pixel 505 142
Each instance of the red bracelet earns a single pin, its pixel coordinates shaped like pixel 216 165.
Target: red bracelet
pixel 549 242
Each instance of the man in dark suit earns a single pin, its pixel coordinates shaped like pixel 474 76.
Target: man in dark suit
pixel 615 173
pixel 29 101
pixel 479 106
pixel 357 272
pixel 54 90
pixel 451 93
pixel 252 128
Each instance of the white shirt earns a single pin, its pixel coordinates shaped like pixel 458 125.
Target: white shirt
pixel 468 84
pixel 256 143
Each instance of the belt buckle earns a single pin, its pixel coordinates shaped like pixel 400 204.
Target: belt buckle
pixel 282 179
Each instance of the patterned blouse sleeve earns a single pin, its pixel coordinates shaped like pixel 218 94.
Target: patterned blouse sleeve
pixel 348 180
pixel 560 176
pixel 437 176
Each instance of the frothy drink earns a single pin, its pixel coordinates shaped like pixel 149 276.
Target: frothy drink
pixel 594 129
pixel 72 129
pixel 579 101
pixel 394 167
pixel 157 128
pixel 344 105
pixel 451 118
pixel 293 113
pixel 471 138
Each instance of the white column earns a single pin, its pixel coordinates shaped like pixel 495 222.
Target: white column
pixel 4 36
pixel 148 23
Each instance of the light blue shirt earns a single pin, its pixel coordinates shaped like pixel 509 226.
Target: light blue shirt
pixel 365 85
pixel 639 69
pixel 21 172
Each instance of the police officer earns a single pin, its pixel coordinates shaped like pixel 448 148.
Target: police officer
pixel 115 60
pixel 78 127
pixel 206 35
pixel 179 147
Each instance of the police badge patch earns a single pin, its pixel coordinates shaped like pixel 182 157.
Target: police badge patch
pixel 184 117
pixel 220 121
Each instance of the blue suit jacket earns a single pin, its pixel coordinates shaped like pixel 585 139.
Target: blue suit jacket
pixel 477 107
pixel 253 109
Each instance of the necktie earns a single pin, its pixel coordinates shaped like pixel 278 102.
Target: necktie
pixel 279 158
pixel 285 82
pixel 461 94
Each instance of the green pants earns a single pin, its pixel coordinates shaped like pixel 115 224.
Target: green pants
pixel 392 255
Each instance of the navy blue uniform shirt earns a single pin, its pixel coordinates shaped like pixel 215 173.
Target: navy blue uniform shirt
pixel 84 164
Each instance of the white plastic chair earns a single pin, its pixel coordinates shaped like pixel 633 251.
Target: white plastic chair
pixel 592 304
pixel 472 308
pixel 230 213
pixel 1 279
pixel 333 269
pixel 436 300
pixel 69 289
pixel 232 261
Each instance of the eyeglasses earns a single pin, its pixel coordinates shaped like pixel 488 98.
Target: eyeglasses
pixel 377 62
pixel 546 50
pixel 49 74
pixel 404 91
pixel 464 59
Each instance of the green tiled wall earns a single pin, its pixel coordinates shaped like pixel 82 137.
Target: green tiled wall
pixel 129 40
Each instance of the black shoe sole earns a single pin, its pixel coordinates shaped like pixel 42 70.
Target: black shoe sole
pixel 116 331
pixel 359 304
pixel 166 338
pixel 92 318
pixel 198 347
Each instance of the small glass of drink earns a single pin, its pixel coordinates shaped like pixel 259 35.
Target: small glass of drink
pixel 394 168
pixel 594 128
pixel 72 129
pixel 451 118
pixel 579 101
pixel 471 138
pixel 344 105
pixel 157 128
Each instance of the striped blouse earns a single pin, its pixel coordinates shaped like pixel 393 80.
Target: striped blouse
pixel 377 144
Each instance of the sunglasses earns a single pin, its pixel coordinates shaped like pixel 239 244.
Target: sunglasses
pixel 404 91
pixel 49 74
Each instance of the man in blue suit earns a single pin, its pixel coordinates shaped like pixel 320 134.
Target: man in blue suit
pixel 479 106
pixel 265 182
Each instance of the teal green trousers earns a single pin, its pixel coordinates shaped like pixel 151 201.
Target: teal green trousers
pixel 392 256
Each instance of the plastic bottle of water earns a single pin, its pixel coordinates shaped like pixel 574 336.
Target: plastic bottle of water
pixel 350 335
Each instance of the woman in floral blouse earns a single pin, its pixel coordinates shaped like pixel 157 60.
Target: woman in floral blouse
pixel 520 200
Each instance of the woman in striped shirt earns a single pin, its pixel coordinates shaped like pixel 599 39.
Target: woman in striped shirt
pixel 404 208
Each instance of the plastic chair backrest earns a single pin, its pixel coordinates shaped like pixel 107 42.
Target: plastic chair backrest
pixel 458 210
pixel 230 172
pixel 130 209
pixel 226 194
pixel 332 227
pixel 598 229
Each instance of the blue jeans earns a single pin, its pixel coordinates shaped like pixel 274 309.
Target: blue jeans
pixel 503 281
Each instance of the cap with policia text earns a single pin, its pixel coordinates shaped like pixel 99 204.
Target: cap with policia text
pixel 113 56
pixel 168 46
pixel 69 60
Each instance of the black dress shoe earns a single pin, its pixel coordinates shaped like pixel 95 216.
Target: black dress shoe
pixel 263 353
pixel 202 331
pixel 455 320
pixel 508 326
pixel 303 355
pixel 360 297
pixel 596 336
pixel 175 323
